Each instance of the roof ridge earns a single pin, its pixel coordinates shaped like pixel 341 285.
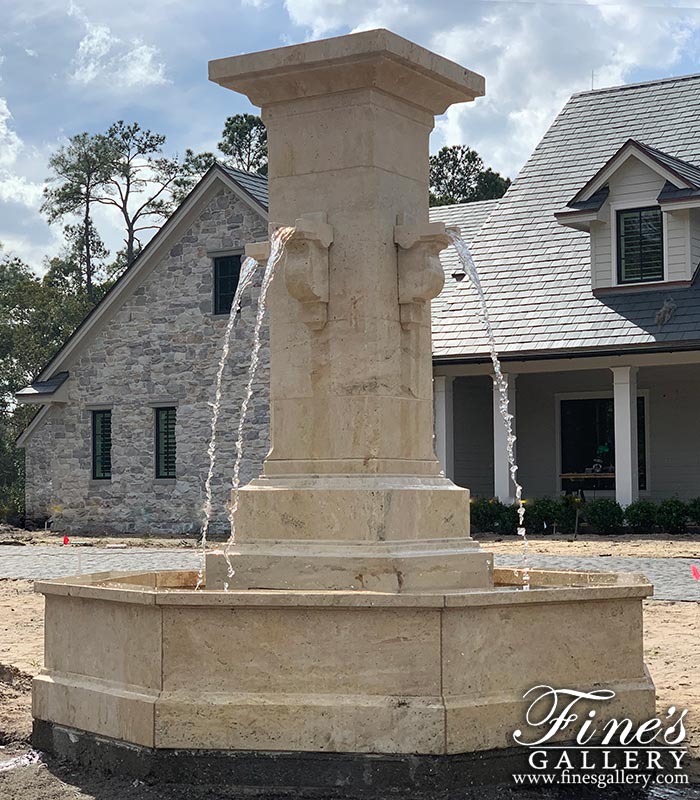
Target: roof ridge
pixel 637 85
pixel 662 152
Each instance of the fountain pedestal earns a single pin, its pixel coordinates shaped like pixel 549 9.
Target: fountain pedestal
pixel 352 495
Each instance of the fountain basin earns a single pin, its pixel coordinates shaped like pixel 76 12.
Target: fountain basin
pixel 147 660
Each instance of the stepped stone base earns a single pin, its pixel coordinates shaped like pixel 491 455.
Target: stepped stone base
pixel 376 532
pixel 450 564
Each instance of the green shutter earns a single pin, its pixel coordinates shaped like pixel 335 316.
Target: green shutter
pixel 166 446
pixel 102 445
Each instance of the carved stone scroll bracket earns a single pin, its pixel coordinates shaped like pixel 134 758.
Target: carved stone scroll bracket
pixel 260 251
pixel 306 271
pixel 421 276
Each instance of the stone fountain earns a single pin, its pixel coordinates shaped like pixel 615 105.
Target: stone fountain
pixel 364 635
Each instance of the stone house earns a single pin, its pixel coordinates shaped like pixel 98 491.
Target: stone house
pixel 120 441
pixel 589 264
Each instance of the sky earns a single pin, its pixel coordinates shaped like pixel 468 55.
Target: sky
pixel 79 65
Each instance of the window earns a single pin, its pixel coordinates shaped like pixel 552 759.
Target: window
pixel 165 442
pixel 588 443
pixel 227 270
pixel 640 245
pixel 102 445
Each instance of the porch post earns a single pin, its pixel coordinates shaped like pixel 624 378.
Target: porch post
pixel 444 435
pixel 502 484
pixel 626 464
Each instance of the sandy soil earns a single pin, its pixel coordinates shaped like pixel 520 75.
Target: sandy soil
pixel 672 651
pixel 650 546
pixel 19 536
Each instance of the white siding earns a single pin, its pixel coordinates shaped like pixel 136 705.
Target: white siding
pixel 601 255
pixel 694 240
pixel 677 257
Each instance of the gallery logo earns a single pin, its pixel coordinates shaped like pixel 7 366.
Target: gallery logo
pixel 572 741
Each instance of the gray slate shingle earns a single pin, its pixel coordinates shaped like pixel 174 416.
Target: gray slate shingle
pixel 255 185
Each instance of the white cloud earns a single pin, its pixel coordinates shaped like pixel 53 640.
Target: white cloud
pixel 10 143
pixel 106 58
pixel 533 55
pixel 22 231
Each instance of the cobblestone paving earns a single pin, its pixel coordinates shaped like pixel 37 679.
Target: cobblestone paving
pixel 672 577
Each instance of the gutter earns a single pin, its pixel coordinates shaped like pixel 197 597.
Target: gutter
pixel 558 355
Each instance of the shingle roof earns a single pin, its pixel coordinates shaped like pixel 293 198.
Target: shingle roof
pixel 255 185
pixel 688 172
pixel 468 217
pixel 44 388
pixel 536 273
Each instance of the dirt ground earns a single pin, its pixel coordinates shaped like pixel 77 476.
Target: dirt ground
pixel 10 535
pixel 636 546
pixel 672 651
pixel 642 546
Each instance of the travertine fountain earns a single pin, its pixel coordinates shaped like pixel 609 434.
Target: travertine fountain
pixel 362 618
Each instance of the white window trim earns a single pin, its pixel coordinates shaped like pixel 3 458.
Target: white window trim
pixel 626 206
pixel 559 396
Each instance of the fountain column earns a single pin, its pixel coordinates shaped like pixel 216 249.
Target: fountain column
pixel 352 494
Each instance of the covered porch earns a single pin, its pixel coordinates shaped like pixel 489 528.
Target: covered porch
pixel 626 427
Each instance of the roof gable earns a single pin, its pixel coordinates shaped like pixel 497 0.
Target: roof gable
pixel 132 277
pixel 677 172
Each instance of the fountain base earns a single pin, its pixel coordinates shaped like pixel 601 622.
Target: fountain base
pixel 146 660
pixel 337 775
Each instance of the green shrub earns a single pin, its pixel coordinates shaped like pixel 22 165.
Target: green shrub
pixel 541 515
pixel 604 515
pixel 672 515
pixel 508 519
pixel 566 513
pixel 11 504
pixel 485 514
pixel 641 516
pixel 694 510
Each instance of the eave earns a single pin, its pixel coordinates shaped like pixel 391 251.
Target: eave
pixel 53 391
pixel 579 220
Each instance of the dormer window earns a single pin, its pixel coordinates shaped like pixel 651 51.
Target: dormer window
pixel 640 251
pixel 641 211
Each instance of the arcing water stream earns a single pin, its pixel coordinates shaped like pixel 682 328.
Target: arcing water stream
pixel 277 242
pixel 501 383
pixel 246 276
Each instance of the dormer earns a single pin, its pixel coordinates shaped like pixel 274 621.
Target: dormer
pixel 642 211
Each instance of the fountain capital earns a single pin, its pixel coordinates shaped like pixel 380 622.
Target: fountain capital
pixel 376 59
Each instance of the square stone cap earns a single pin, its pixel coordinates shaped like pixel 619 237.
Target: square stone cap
pixel 377 59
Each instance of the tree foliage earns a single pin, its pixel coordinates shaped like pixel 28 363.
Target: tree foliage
pixel 244 143
pixel 138 182
pixel 457 175
pixel 36 316
pixel 79 172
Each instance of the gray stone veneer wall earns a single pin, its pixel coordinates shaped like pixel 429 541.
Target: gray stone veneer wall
pixel 162 347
